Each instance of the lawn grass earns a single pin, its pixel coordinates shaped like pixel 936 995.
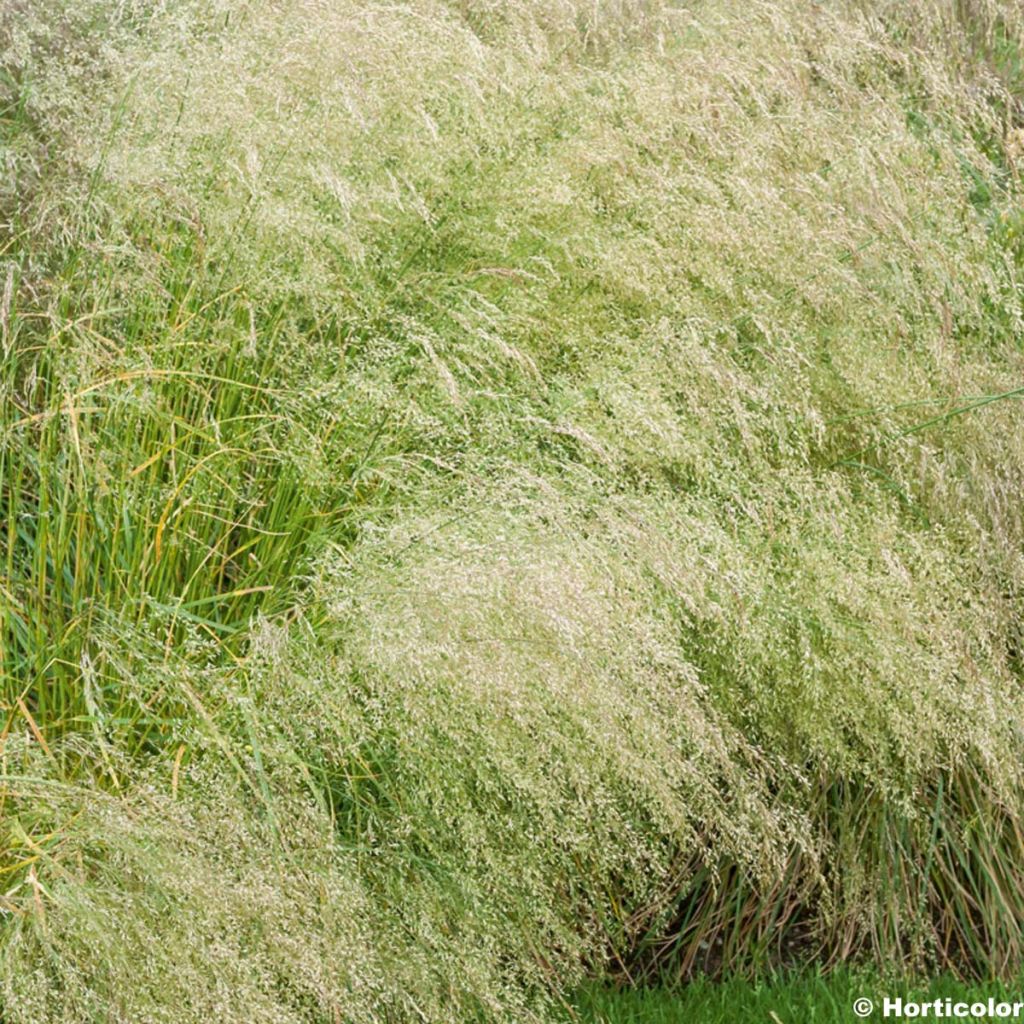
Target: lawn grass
pixel 803 998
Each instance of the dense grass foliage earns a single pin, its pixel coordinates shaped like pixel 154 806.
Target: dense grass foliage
pixel 500 493
pixel 804 998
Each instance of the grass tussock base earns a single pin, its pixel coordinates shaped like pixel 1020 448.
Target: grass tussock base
pixel 493 495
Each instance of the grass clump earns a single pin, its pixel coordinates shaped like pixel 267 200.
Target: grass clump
pixel 500 494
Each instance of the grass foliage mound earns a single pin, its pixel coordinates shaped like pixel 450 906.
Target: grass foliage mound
pixel 494 492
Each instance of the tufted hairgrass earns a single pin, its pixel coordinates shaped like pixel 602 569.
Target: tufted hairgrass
pixel 499 494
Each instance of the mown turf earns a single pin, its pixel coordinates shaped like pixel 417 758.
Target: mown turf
pixel 797 999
